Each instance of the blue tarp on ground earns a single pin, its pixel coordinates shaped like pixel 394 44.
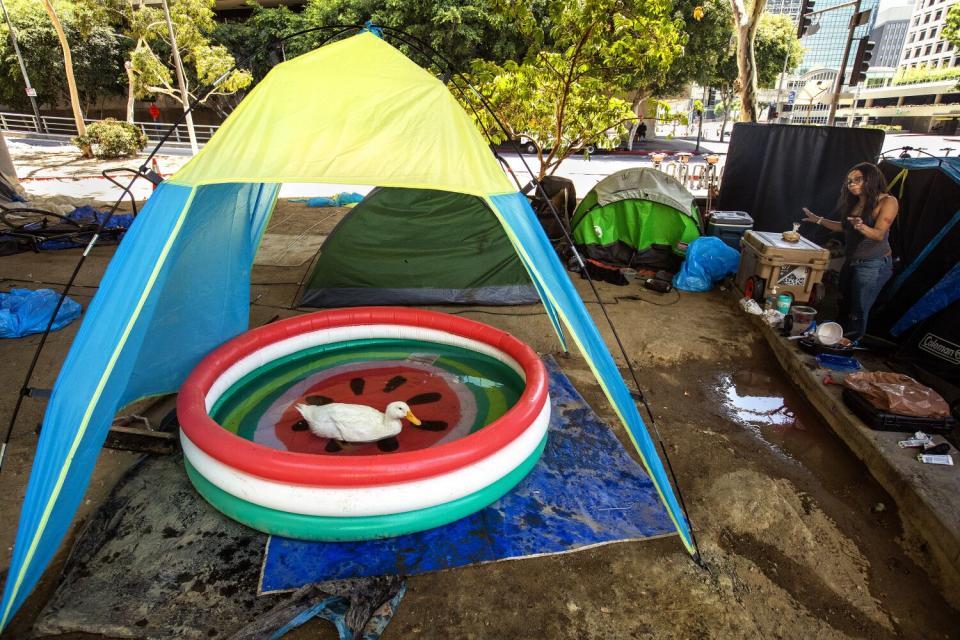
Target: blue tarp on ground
pixel 584 491
pixel 24 312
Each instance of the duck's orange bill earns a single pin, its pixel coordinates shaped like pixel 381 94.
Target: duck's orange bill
pixel 412 418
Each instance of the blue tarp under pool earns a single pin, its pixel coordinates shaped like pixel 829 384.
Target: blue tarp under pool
pixel 585 491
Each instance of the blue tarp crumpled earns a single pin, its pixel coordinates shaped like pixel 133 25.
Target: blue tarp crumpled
pixel 88 217
pixel 23 311
pixel 709 260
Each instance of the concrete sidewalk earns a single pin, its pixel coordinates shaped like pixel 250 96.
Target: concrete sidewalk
pixel 928 496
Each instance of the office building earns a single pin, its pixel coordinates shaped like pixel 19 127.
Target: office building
pixel 889 35
pixel 824 49
pixel 925 46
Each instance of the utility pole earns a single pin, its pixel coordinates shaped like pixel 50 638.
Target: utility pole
pixel 804 28
pixel 31 92
pixel 181 82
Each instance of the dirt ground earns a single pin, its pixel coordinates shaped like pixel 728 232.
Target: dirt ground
pixel 798 540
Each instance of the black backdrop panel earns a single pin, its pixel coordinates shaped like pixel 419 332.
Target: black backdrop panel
pixel 773 170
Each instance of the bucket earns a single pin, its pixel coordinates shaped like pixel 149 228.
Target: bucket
pixel 802 317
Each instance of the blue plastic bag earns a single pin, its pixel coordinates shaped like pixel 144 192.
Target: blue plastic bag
pixel 709 260
pixel 23 312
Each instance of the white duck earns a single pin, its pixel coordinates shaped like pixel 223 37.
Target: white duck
pixel 355 422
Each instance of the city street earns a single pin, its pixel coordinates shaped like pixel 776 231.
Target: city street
pixel 48 168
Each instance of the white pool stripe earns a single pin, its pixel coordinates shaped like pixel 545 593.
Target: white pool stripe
pixel 276 350
pixel 373 500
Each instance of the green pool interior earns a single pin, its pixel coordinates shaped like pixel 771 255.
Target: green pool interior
pixel 494 385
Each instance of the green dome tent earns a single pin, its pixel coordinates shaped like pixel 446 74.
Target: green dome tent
pixel 636 217
pixel 418 246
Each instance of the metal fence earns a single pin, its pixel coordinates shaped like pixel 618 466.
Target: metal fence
pixel 60 126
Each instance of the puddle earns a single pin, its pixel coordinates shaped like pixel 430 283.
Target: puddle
pixel 752 401
pixel 779 418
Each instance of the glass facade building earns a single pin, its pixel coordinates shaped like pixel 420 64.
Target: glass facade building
pixel 824 49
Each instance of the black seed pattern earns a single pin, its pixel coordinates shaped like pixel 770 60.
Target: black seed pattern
pixel 394 383
pixel 332 446
pixel 318 400
pixel 357 385
pixel 300 425
pixel 425 398
pixel 433 425
pixel 388 445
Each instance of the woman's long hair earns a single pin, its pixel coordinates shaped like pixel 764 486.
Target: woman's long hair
pixel 873 185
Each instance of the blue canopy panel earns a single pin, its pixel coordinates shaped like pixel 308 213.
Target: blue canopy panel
pixel 941 296
pixel 534 247
pixel 181 277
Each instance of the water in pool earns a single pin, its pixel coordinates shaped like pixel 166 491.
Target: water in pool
pixel 453 391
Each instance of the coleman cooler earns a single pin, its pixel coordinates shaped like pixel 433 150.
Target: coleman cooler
pixel 794 267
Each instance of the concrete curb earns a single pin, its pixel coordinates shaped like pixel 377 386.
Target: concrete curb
pixel 927 496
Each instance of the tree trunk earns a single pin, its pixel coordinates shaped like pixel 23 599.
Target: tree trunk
pixel 745 24
pixel 71 81
pixel 129 67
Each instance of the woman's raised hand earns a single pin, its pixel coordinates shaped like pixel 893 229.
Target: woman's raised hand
pixel 810 216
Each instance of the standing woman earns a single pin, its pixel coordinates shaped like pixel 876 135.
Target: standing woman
pixel 866 213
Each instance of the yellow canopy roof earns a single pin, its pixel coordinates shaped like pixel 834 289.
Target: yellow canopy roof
pixel 353 112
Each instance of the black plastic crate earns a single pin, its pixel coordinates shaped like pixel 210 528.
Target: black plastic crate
pixel 883 421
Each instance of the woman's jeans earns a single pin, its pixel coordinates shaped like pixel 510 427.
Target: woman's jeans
pixel 860 284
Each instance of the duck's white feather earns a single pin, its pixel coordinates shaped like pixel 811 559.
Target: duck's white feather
pixel 349 422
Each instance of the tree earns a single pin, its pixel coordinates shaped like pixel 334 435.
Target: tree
pixel 461 30
pixel 951 28
pixel 708 45
pixel 152 64
pixel 68 70
pixel 96 51
pixel 746 19
pixel 567 94
pixel 255 40
pixel 776 39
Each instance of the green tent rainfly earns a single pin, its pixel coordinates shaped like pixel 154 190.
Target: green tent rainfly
pixel 631 214
pixel 418 246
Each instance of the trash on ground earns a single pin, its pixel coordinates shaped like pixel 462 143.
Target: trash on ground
pixel 750 306
pixel 919 439
pixel 838 363
pixel 933 459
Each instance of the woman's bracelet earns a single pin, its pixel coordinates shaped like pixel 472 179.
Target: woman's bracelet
pixel 819 219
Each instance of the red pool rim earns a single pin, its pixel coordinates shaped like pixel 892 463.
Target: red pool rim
pixel 307 469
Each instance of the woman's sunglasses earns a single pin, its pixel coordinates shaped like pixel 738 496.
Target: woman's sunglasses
pixel 853 181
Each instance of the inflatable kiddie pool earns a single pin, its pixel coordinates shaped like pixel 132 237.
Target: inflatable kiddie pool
pixel 480 393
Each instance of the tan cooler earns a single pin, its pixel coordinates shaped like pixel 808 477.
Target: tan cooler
pixel 794 267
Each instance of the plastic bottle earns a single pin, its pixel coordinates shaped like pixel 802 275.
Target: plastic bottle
pixel 770 302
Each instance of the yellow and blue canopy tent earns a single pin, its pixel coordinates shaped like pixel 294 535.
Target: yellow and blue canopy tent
pixel 353 112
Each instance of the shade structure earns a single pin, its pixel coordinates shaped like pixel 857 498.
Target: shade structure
pixel 353 112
